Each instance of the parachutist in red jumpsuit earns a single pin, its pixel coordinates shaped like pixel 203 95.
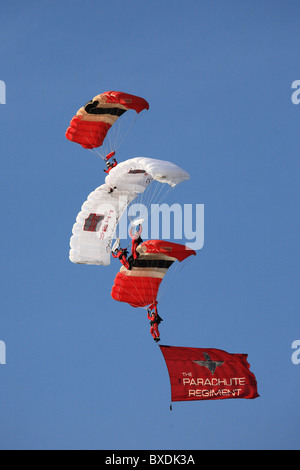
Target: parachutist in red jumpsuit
pixel 154 321
pixel 135 242
pixel 112 164
pixel 122 255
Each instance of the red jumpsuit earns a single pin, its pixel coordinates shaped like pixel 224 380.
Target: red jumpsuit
pixel 110 166
pixel 154 321
pixel 121 254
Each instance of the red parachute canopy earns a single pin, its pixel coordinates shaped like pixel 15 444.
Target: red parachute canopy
pixel 139 286
pixel 92 122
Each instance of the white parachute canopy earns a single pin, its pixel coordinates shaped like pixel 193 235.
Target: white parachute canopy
pixel 97 221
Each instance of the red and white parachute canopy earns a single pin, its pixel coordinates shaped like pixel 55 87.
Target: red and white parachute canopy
pixel 97 221
pixel 139 286
pixel 91 125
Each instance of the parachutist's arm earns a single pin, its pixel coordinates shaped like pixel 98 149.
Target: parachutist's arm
pixel 153 307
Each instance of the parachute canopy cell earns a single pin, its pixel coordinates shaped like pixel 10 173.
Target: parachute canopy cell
pixel 139 286
pixel 92 122
pixel 97 221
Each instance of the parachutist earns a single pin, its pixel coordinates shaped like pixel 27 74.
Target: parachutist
pixel 110 164
pixel 122 255
pixel 155 320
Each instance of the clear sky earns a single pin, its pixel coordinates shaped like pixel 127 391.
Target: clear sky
pixel 82 370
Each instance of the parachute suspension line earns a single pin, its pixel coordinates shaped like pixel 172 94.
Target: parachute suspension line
pixel 171 274
pixel 125 134
pixel 158 196
pixel 97 153
pixel 154 294
pixel 153 195
pixel 138 293
pixel 161 193
pixel 139 296
pixel 112 137
pixel 94 150
pixel 116 135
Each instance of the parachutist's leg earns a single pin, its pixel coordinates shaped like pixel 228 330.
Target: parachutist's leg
pixel 153 333
pixel 125 263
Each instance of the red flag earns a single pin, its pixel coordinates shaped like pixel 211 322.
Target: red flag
pixel 208 374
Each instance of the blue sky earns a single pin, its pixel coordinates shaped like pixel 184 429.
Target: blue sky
pixel 82 370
